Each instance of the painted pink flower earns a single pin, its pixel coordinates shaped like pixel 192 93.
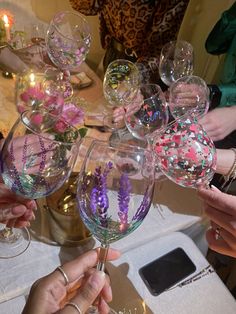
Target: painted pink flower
pixel 72 114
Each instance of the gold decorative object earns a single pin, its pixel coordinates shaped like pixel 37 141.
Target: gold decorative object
pixel 66 226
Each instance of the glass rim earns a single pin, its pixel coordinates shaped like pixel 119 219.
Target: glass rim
pixel 21 118
pixel 69 13
pixel 177 41
pixel 121 146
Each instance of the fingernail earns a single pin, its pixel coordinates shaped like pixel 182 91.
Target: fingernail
pixel 32 205
pixel 214 188
pixel 17 210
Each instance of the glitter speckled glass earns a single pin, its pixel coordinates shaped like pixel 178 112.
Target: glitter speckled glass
pixel 185 153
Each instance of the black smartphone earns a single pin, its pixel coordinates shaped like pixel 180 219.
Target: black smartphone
pixel 166 271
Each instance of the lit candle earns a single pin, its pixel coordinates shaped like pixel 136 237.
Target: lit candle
pixel 7 27
pixel 32 79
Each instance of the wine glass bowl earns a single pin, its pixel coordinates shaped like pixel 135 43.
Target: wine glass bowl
pixel 34 161
pixel 150 114
pixel 68 40
pixel 189 95
pixel 185 153
pixel 115 190
pixel 121 82
pixel 176 61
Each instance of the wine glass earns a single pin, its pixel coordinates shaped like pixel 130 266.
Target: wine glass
pixel 120 87
pixel 114 193
pixel 36 91
pixel 189 95
pixel 176 61
pixel 185 153
pixel 68 41
pixel 35 161
pixel 149 115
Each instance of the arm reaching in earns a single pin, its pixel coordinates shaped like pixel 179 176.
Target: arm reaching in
pixel 221 210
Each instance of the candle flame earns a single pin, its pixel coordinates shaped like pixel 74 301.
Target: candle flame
pixel 5 20
pixel 32 79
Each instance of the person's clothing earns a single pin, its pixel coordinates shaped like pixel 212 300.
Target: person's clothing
pixel 222 39
pixel 141 27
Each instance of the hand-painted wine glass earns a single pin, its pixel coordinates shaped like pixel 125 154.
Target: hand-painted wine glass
pixel 185 153
pixel 120 87
pixel 176 61
pixel 149 114
pixel 68 41
pixel 115 191
pixel 189 95
pixel 35 161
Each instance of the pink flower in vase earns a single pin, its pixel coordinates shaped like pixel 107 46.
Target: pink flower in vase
pixel 60 126
pixel 72 114
pixel 54 104
pixel 33 93
pixel 37 119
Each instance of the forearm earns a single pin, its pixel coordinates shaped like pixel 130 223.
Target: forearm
pixel 225 160
pixel 10 62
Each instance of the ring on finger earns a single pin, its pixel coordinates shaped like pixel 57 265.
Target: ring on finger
pixel 74 305
pixel 66 279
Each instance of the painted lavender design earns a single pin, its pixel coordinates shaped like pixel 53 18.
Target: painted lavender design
pixel 123 200
pixel 99 199
pixel 99 202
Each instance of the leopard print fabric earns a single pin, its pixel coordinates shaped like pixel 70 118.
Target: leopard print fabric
pixel 141 25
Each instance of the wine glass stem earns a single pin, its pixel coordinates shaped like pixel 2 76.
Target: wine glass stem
pixel 102 256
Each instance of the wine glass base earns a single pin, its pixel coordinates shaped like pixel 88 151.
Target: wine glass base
pixel 94 310
pixel 13 243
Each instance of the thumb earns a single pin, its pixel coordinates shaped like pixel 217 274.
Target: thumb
pixel 90 290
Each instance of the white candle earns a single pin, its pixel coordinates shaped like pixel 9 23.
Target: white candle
pixel 32 79
pixel 7 27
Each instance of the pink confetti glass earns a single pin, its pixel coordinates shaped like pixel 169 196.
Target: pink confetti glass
pixel 185 153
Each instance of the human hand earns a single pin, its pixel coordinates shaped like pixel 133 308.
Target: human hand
pixel 15 210
pixel 220 122
pixel 50 293
pixel 221 210
pixel 188 94
pixel 129 109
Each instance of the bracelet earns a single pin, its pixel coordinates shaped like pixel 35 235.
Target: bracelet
pixel 232 172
